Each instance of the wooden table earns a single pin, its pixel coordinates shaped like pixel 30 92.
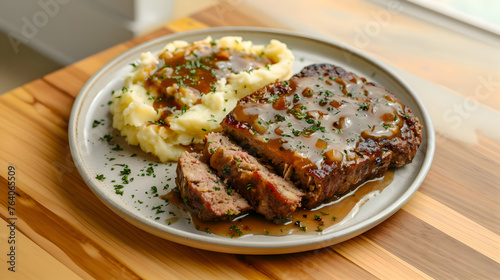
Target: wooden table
pixel 448 230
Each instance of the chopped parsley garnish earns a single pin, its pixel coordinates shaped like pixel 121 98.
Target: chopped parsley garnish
pixel 118 189
pixel 237 229
pixel 96 123
pixel 280 118
pixel 298 114
pixel 106 138
pixel 272 98
pixel 117 148
pixel 125 179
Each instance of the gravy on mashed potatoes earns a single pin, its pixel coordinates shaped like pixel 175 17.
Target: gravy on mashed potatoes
pixel 170 101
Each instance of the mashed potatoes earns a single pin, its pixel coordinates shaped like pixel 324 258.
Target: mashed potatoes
pixel 170 101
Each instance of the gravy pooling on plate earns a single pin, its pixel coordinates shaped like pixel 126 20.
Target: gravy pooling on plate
pixel 303 221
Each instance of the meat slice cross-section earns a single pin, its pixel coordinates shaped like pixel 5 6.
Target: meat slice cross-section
pixel 205 193
pixel 326 129
pixel 269 194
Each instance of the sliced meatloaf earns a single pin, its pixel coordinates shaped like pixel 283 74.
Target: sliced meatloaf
pixel 205 193
pixel 326 129
pixel 269 194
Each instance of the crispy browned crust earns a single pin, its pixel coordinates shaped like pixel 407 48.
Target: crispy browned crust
pixel 373 156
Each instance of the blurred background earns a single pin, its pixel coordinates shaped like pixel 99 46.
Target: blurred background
pixel 40 36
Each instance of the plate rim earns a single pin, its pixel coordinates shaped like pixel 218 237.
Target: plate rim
pixel 245 247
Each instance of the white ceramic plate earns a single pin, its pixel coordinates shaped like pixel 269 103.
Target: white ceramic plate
pixel 140 203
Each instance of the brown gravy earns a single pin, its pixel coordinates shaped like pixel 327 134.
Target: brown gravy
pixel 303 221
pixel 320 122
pixel 194 72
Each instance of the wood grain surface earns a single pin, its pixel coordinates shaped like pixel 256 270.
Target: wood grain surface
pixel 448 230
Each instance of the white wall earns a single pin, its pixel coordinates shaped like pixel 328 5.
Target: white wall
pixel 69 30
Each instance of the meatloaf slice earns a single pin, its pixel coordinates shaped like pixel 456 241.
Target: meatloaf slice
pixel 205 193
pixel 326 129
pixel 269 194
